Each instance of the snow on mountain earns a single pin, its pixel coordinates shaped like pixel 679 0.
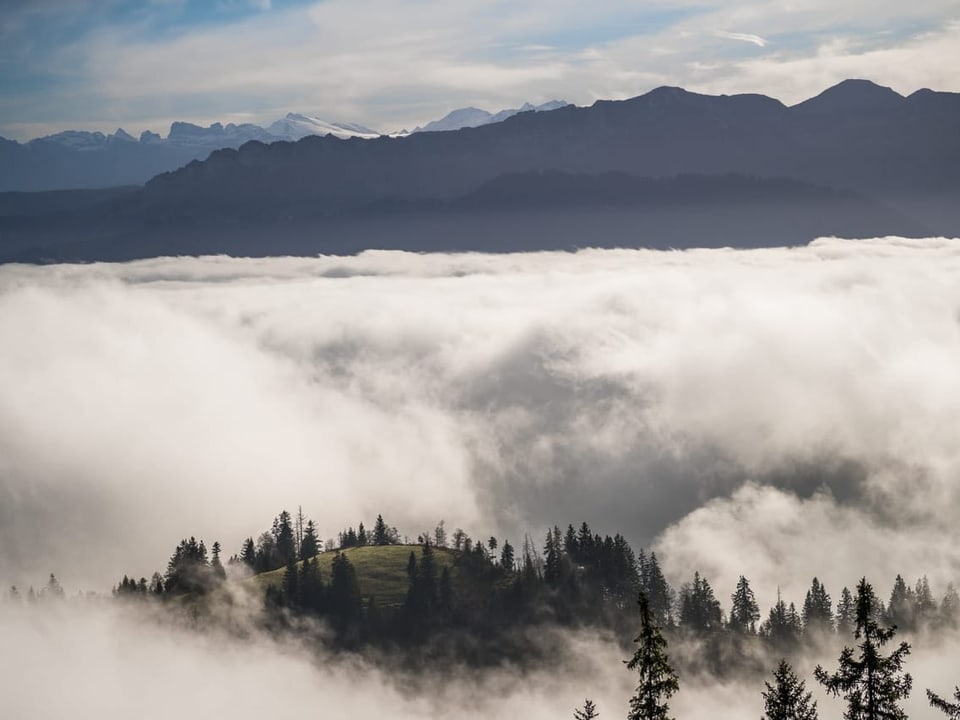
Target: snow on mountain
pixel 295 126
pixel 475 117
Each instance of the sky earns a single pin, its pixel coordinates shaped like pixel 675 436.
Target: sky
pixel 387 64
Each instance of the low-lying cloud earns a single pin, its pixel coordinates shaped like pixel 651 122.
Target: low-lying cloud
pixel 781 412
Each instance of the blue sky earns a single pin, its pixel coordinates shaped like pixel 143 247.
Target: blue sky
pixel 102 64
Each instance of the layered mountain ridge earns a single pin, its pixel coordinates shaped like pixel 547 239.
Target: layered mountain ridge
pixel 670 168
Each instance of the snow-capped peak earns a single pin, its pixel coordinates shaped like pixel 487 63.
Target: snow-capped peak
pixel 296 125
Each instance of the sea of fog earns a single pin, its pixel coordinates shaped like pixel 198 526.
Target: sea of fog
pixel 777 413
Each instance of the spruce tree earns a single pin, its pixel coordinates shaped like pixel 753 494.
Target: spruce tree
pixel 310 544
pixel 846 613
pixel 873 684
pixel 658 681
pixel 952 710
pixel 654 585
pixel 506 557
pixel 218 572
pixel 589 711
pixel 817 611
pixel 699 609
pixel 788 698
pixel 380 534
pixel 744 612
pixel 949 614
pixel 248 553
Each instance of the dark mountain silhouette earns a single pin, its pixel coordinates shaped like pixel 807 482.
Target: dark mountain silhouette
pixel 670 168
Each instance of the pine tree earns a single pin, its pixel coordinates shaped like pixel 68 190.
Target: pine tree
pixel 658 681
pixel 872 684
pixel 344 599
pixel 310 544
pixel 506 557
pixel 248 553
pixel 218 572
pixel 901 606
pixel 783 627
pixel 846 613
pixel 286 544
pixel 699 609
pixel 787 698
pixel 654 585
pixel 744 612
pixel 589 711
pixel 949 615
pixel 952 710
pixel 551 555
pixel 817 611
pixel 924 606
pixel 380 534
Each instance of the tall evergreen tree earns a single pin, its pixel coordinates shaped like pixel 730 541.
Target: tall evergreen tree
pixel 846 613
pixel 283 534
pixel 787 698
pixel 218 572
pixel 589 711
pixel 900 609
pixel 949 615
pixel 952 710
pixel 924 606
pixel 362 538
pixel 655 586
pixel 817 611
pixel 507 559
pixel 310 543
pixel 344 601
pixel 783 626
pixel 699 608
pixel 873 684
pixel 248 553
pixel 658 681
pixel 381 534
pixel 744 611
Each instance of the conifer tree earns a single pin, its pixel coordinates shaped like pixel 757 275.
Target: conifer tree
pixel 952 710
pixel 744 612
pixel 381 535
pixel 654 585
pixel 846 613
pixel 218 572
pixel 589 711
pixel 658 681
pixel 900 609
pixel 286 544
pixel 506 557
pixel 787 698
pixel 362 536
pixel 310 544
pixel 817 611
pixel 248 553
pixel 949 615
pixel 699 608
pixel 783 626
pixel 873 684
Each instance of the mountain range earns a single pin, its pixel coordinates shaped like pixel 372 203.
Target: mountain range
pixel 670 168
pixel 76 159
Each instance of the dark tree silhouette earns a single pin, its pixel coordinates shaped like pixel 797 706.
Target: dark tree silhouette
pixel 310 544
pixel 381 534
pixel 507 559
pixel 283 535
pixel 589 711
pixel 658 681
pixel 873 684
pixel 788 698
pixel 744 612
pixel 952 710
pixel 817 610
pixel 218 572
pixel 699 609
pixel 846 613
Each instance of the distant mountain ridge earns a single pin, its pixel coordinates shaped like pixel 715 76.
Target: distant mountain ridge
pixel 79 159
pixel 670 168
pixel 474 117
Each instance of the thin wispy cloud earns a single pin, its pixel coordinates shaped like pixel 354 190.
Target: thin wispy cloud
pixel 743 37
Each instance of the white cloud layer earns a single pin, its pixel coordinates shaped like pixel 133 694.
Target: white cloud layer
pixel 773 411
